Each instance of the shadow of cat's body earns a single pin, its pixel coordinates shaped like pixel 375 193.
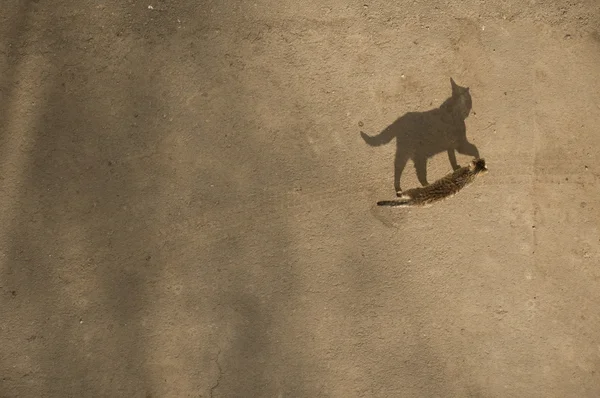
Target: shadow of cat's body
pixel 421 135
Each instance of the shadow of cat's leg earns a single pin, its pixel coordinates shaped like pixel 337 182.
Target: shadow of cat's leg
pixel 421 168
pixel 466 148
pixel 452 157
pixel 399 164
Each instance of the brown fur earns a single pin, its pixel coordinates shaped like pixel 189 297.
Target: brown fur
pixel 441 189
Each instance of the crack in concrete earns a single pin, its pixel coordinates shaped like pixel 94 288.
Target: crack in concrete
pixel 216 385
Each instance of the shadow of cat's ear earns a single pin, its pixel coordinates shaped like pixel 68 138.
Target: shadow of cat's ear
pixel 456 89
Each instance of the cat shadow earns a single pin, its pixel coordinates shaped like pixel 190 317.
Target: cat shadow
pixel 421 135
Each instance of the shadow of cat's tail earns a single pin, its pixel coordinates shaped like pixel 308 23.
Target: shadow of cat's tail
pixel 380 139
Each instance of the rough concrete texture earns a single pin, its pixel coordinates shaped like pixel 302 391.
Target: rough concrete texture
pixel 187 208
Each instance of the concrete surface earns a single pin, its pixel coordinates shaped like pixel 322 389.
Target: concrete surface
pixel 187 206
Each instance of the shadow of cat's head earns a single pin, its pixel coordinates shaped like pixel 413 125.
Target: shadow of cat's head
pixel 460 101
